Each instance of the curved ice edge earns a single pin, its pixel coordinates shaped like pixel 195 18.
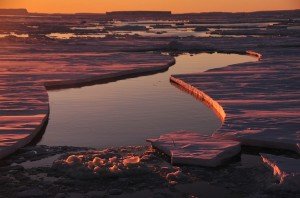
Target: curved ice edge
pixel 214 105
pixel 8 150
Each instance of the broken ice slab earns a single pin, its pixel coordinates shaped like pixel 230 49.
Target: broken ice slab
pixel 191 148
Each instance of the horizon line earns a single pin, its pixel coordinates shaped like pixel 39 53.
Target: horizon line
pixel 201 12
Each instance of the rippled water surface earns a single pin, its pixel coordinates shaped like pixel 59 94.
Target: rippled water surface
pixel 127 112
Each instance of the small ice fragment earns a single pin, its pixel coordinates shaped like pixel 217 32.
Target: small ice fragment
pixel 131 160
pixel 73 159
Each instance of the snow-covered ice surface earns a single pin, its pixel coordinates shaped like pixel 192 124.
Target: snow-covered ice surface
pixel 185 147
pixel 286 169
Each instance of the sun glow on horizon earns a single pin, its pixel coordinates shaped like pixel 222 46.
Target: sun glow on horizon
pixel 176 6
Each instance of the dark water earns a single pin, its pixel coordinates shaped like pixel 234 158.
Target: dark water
pixel 129 111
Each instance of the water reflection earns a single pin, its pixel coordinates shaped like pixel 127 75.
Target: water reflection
pixel 63 36
pixel 128 111
pixel 15 35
